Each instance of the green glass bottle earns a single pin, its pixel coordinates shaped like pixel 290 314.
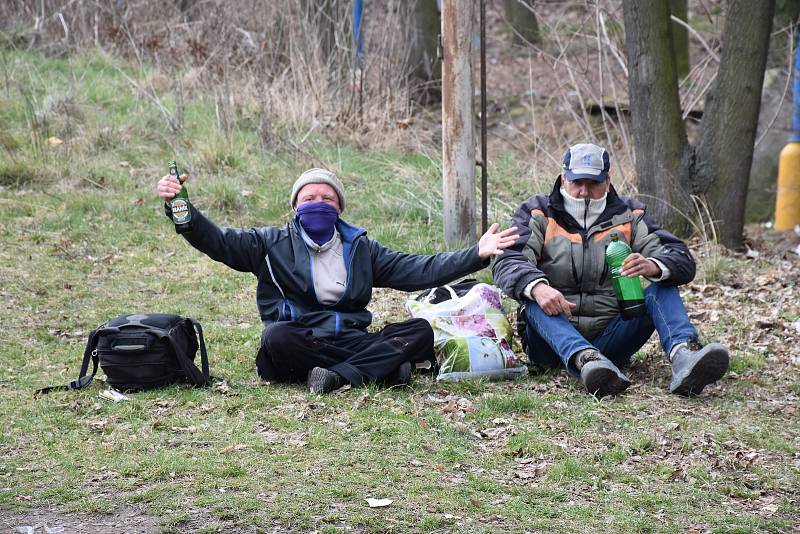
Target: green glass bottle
pixel 628 290
pixel 179 204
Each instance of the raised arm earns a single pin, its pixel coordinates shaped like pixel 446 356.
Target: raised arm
pixel 239 249
pixel 410 272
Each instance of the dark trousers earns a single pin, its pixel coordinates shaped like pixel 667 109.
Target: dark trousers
pixel 289 350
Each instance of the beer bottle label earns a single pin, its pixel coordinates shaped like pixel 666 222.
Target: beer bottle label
pixel 181 212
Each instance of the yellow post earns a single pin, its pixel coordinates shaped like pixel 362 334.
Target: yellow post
pixel 787 201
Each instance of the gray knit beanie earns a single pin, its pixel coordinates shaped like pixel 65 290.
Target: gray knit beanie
pixel 318 176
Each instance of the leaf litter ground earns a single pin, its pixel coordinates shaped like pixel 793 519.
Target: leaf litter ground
pixel 533 455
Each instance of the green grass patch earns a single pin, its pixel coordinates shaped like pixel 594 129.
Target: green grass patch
pixel 742 362
pixel 84 238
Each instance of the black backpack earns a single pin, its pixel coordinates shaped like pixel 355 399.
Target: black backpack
pixel 447 292
pixel 144 351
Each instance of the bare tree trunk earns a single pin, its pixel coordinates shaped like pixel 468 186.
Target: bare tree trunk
pixel 520 17
pixel 669 169
pixel 680 37
pixel 725 150
pixel 658 131
pixel 425 68
pixel 186 7
pixel 323 14
pixel 458 140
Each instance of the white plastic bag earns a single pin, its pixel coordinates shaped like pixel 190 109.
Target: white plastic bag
pixel 471 334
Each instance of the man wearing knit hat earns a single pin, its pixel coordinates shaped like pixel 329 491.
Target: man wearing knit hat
pixel 569 313
pixel 315 279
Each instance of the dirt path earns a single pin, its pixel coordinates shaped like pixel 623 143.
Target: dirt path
pixel 128 520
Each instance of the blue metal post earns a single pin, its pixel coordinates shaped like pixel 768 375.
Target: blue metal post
pixel 796 94
pixel 358 11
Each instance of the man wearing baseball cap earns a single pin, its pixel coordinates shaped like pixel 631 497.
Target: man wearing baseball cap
pixel 315 279
pixel 557 272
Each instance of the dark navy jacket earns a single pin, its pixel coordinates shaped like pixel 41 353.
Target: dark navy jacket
pixel 280 260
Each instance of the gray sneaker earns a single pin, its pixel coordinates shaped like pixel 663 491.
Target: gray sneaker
pixel 695 366
pixel 599 375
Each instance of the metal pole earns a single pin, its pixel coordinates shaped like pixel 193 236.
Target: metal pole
pixel 796 94
pixel 458 143
pixel 484 161
pixel 358 11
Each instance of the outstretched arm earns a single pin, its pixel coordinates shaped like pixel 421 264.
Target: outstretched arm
pixel 492 244
pixel 239 249
pixel 411 272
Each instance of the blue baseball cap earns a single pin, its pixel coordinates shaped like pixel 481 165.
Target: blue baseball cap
pixel 586 161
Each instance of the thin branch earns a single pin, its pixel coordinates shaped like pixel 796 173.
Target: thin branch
pixel 612 46
pixel 620 120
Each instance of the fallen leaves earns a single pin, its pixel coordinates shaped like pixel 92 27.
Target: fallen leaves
pixel 453 405
pixel 755 309
pixel 222 386
pixel 278 436
pixel 191 429
pixel 529 468
pixel 496 432
pixel 362 401
pixel 98 425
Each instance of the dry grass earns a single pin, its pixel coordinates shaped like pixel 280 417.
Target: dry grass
pixel 287 71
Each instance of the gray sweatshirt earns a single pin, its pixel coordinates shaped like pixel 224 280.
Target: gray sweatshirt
pixel 327 268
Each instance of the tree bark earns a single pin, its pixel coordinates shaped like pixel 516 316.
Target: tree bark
pixel 670 169
pixel 323 15
pixel 725 150
pixel 520 17
pixel 425 68
pixel 458 138
pixel 658 131
pixel 680 37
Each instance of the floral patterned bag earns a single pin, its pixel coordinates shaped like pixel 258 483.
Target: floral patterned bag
pixel 471 333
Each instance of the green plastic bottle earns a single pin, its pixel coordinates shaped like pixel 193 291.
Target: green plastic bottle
pixel 179 204
pixel 630 296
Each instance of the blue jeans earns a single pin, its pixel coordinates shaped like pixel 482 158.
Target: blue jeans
pixel 552 339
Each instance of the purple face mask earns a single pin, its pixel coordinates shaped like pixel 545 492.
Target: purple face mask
pixel 318 220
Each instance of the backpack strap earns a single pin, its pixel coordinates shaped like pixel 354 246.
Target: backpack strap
pixel 83 380
pixel 449 288
pixel 432 293
pixel 203 353
pixel 197 377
